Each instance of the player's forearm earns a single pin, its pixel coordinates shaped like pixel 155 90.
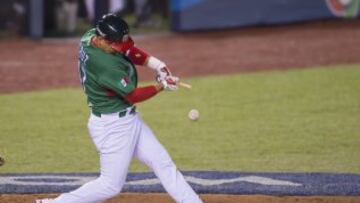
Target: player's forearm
pixel 140 57
pixel 141 94
pixel 137 56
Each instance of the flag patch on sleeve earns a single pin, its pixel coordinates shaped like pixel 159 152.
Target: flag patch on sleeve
pixel 124 82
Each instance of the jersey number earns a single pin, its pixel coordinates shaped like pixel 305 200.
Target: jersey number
pixel 83 57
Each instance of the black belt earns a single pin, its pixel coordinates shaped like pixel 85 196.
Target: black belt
pixel 130 110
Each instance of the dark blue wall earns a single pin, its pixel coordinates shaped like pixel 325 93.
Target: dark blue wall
pixel 214 14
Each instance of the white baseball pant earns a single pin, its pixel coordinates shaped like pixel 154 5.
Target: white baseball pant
pixel 117 140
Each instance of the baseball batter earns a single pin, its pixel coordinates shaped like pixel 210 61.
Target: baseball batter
pixel 107 55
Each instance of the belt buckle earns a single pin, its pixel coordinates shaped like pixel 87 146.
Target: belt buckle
pixel 130 111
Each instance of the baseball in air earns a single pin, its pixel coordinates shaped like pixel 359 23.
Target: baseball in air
pixel 193 114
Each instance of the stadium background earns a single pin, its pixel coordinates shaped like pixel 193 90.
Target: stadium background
pixel 200 40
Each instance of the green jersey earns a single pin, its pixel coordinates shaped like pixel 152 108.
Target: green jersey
pixel 106 78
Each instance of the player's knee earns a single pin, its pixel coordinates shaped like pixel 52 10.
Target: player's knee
pixel 112 191
pixel 160 161
pixel 110 188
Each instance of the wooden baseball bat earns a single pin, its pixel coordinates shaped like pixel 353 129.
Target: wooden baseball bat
pixel 182 84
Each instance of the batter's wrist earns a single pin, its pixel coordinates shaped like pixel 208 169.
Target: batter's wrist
pixel 154 63
pixel 159 87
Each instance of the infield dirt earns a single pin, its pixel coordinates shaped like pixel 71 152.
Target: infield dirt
pixel 27 66
pixel 207 198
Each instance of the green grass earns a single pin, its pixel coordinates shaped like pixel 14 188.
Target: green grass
pixel 291 121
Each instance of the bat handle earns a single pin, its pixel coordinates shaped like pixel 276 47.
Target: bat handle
pixel 182 84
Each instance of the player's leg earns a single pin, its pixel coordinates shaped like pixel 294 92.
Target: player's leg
pixel 115 139
pixel 149 151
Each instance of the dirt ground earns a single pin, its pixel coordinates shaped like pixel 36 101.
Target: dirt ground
pixel 27 66
pixel 207 198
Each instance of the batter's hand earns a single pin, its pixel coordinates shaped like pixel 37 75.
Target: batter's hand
pixel 170 83
pixel 162 73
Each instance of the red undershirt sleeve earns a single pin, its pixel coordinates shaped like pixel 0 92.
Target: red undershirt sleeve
pixel 137 56
pixel 140 94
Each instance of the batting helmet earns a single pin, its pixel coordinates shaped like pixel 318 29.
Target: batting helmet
pixel 112 28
